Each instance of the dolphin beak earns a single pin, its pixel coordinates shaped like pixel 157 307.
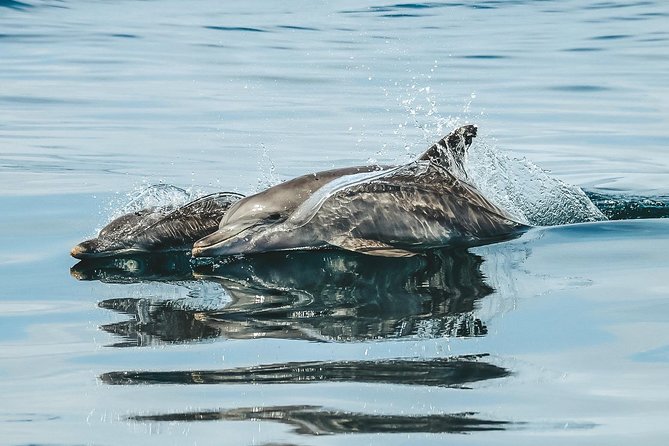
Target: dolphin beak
pixel 199 251
pixel 83 250
pixel 77 251
pixel 212 245
pixel 225 242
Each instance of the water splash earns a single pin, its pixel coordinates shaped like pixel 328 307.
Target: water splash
pixel 268 176
pixel 420 105
pixel 162 197
pixel 520 187
pixel 156 195
pixel 523 189
pixel 526 191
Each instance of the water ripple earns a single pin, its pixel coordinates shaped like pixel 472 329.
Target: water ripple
pixel 579 88
pixel 612 37
pixel 236 28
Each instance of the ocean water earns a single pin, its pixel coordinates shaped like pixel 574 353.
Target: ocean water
pixel 559 336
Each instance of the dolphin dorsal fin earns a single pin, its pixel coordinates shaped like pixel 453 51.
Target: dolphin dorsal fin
pixel 449 152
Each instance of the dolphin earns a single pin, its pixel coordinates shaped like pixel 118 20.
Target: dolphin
pixel 378 210
pixel 158 229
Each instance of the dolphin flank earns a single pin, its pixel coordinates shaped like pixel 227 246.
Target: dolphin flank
pixel 379 210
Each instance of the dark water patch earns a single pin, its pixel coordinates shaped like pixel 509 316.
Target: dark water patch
pixel 401 15
pixel 616 5
pixel 314 420
pixel 482 6
pixel 213 45
pixel 492 4
pixel 441 372
pixel 237 28
pixel 484 57
pixel 23 37
pixel 125 36
pixel 297 28
pixel 584 49
pixel 630 207
pixel 579 88
pixel 417 5
pixel 612 37
pixel 654 14
pixel 402 7
pixel 14 4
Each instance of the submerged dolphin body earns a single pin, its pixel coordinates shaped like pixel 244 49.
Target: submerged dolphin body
pixel 158 229
pixel 390 211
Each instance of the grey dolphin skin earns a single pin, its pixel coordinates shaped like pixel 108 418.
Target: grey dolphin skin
pixel 158 229
pixel 379 210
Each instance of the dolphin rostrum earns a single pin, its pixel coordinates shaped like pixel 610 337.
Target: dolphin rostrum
pixel 380 210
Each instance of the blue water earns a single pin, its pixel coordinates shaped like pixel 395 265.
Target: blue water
pixel 559 336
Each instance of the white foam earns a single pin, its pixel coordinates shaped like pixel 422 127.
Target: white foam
pixel 525 190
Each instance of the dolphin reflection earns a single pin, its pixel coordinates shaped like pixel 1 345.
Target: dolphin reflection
pixel 136 268
pixel 441 372
pixel 315 420
pixel 155 322
pixel 340 296
pixel 319 296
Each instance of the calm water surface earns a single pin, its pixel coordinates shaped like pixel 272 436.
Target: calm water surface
pixel 557 337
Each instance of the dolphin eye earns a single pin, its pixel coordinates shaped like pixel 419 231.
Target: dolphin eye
pixel 274 216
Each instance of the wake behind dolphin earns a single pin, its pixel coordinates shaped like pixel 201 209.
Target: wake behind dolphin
pixel 379 210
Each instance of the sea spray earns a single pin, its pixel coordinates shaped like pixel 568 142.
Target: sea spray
pixel 526 191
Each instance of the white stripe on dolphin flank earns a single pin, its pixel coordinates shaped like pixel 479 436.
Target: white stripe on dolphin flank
pixel 306 211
